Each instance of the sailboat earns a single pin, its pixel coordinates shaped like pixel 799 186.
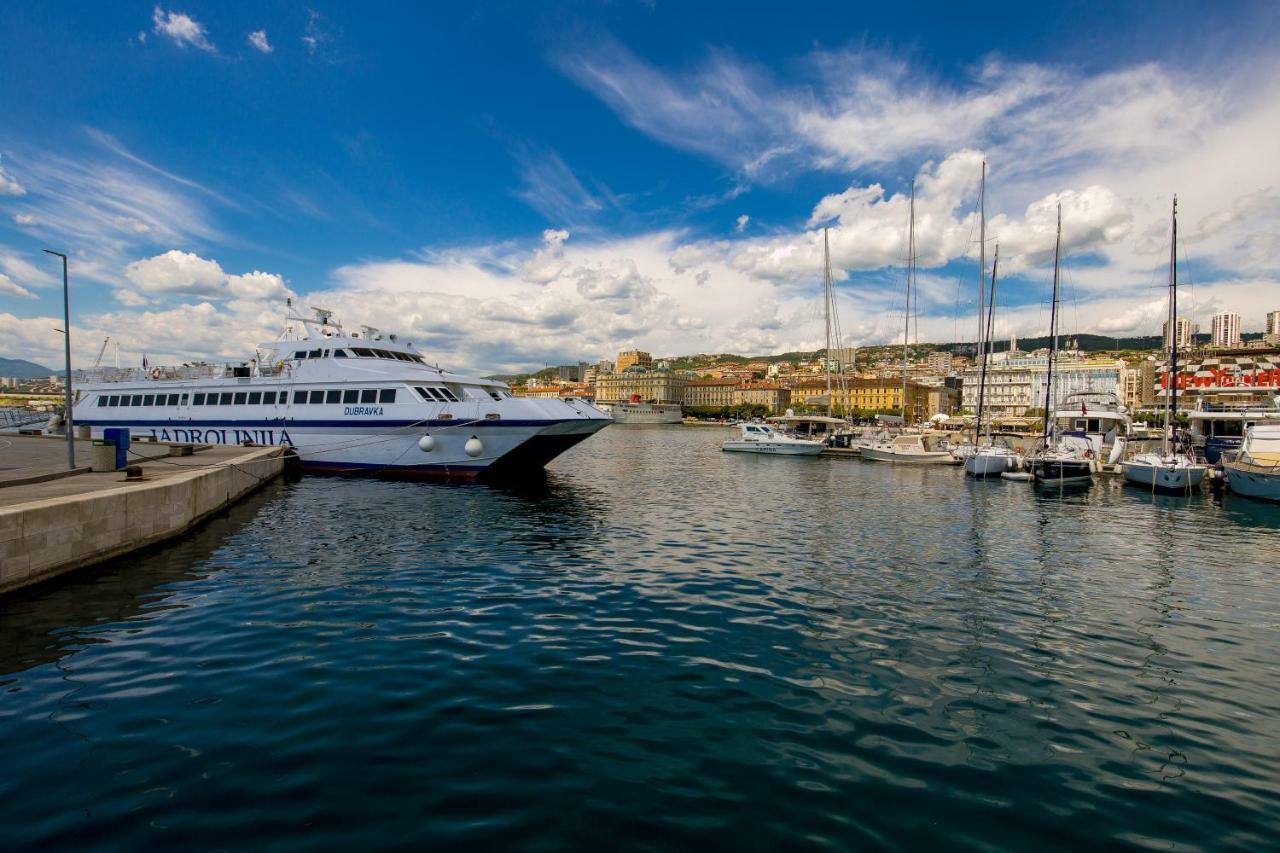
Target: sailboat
pixel 1061 460
pixel 913 448
pixel 1168 470
pixel 988 459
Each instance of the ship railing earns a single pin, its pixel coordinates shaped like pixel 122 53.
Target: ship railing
pixel 1237 406
pixel 161 373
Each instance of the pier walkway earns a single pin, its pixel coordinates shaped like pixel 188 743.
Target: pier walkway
pixel 53 521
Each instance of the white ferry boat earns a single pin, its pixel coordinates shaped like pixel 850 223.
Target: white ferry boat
pixel 635 412
pixel 348 403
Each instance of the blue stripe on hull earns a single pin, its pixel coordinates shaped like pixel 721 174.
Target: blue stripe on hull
pixel 350 423
pixel 412 472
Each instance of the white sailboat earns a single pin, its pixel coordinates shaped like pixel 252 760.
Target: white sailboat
pixel 911 448
pixel 1168 470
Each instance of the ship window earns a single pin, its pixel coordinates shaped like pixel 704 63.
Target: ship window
pixel 333 395
pixel 268 398
pixel 315 353
pixel 255 398
pixel 197 400
pixel 113 400
pixel 102 401
pixel 239 398
pixel 368 395
pixel 211 399
pixel 173 400
pixel 387 395
pixel 417 358
pixel 495 395
pixel 224 399
pixel 404 357
pixel 422 392
pixel 362 352
pixel 439 394
pixel 339 353
pixel 183 400
pixel 300 354
pixel 351 396
pixel 149 400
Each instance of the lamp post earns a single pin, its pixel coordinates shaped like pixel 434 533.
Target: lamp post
pixel 66 340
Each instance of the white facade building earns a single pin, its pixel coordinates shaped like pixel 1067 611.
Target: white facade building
pixel 1184 333
pixel 1226 330
pixel 1018 384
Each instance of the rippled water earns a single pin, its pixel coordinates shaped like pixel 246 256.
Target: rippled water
pixel 662 647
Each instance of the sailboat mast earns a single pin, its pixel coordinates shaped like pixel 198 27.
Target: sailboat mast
pixel 982 253
pixel 826 304
pixel 1171 410
pixel 1053 328
pixel 982 374
pixel 911 267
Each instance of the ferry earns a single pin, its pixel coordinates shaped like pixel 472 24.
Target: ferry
pixel 347 403
pixel 633 411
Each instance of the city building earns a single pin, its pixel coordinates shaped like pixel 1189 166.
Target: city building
pixel 939 362
pixel 1185 339
pixel 650 386
pixel 1226 330
pixel 633 358
pixel 769 394
pixel 1272 335
pixel 868 395
pixel 1018 384
pixel 710 393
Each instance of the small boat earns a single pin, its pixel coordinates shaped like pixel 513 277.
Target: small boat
pixel 1062 460
pixel 991 460
pixel 1255 469
pixel 1167 471
pixel 759 438
pixel 912 449
pixel 987 459
pixel 1063 463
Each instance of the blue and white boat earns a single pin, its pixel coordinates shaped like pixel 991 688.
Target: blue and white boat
pixel 348 403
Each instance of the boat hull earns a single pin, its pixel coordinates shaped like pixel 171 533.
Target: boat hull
pixel 506 449
pixel 630 414
pixel 1061 473
pixel 1252 481
pixel 1164 478
pixel 939 457
pixel 980 465
pixel 773 448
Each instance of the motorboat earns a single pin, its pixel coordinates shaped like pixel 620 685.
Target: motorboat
pixel 1099 418
pixel 1254 470
pixel 912 449
pixel 347 402
pixel 761 438
pixel 1221 417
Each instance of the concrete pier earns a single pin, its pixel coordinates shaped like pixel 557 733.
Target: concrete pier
pixel 50 526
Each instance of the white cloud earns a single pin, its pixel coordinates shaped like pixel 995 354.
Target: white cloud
pixel 258 40
pixel 18 268
pixel 741 224
pixel 9 185
pixel 10 288
pixel 188 274
pixel 181 29
pixel 24 219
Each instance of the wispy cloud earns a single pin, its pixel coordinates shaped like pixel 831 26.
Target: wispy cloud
pixel 258 41
pixel 10 288
pixel 181 29
pixel 549 186
pixel 9 185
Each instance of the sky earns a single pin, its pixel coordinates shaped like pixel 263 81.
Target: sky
pixel 509 185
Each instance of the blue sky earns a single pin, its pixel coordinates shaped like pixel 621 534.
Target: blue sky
pixel 512 184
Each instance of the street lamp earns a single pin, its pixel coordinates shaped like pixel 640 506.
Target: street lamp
pixel 66 340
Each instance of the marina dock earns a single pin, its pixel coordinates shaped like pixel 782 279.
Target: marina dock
pixel 54 521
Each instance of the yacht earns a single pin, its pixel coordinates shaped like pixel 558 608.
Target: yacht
pixel 1168 470
pixel 912 448
pixel 761 438
pixel 1254 470
pixel 348 403
pixel 1066 461
pixel 1221 417
pixel 1097 417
